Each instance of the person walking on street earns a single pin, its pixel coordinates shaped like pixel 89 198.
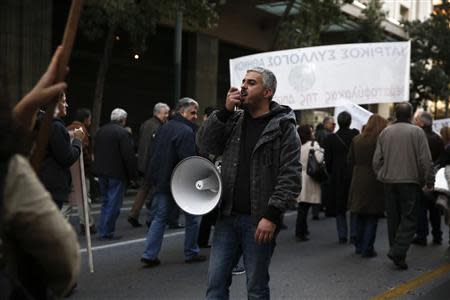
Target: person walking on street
pixel 82 120
pixel 402 161
pixel 366 196
pixel 337 146
pixel 426 205
pixel 146 136
pixel 174 142
pixel 310 194
pixel 115 165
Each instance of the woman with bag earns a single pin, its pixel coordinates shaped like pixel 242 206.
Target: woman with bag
pixel 366 197
pixel 310 193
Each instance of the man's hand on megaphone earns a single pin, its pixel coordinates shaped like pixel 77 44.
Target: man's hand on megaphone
pixel 233 99
pixel 265 231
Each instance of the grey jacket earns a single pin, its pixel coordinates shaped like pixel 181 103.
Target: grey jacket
pixel 403 156
pixel 275 168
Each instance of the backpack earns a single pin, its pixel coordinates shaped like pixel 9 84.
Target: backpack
pixel 314 169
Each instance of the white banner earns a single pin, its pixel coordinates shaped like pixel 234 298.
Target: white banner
pixel 330 76
pixel 439 124
pixel 360 116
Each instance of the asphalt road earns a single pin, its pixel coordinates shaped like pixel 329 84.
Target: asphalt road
pixel 317 269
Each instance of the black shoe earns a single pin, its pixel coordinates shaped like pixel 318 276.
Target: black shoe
pixel 109 238
pixel 92 229
pixel 437 241
pixel 176 226
pixel 343 241
pixel 150 263
pixel 301 238
pixel 315 218
pixel 134 222
pixel 204 246
pixel 419 241
pixel 399 262
pixel 369 254
pixel 195 259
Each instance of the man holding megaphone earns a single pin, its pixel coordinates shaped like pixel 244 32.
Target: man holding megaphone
pixel 260 179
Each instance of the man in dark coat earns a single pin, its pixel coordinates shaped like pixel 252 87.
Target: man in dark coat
pixel 261 178
pixel 146 136
pixel 322 131
pixel 337 146
pixel 60 155
pixel 328 126
pixel 115 165
pixel 174 142
pixel 425 121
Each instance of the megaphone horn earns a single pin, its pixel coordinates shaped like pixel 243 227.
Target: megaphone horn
pixel 196 185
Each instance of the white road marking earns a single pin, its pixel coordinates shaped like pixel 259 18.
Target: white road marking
pixel 167 235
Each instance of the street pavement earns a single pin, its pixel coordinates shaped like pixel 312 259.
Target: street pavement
pixel 320 268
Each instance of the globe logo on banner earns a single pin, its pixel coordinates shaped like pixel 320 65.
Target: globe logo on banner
pixel 302 78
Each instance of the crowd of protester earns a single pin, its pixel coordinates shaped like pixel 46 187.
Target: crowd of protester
pixel 386 170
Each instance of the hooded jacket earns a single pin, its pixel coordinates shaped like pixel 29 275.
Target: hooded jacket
pixel 275 169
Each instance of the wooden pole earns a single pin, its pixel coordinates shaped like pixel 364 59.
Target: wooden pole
pixel 67 43
pixel 87 224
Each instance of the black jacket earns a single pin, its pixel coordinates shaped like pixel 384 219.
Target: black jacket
pixel 174 141
pixel 60 155
pixel 113 153
pixel 337 146
pixel 275 168
pixel 435 143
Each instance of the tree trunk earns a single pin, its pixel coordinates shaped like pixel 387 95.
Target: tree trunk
pixel 101 76
pixel 286 13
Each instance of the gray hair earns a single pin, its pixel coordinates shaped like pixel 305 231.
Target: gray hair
pixel 118 115
pixel 268 78
pixel 184 103
pixel 426 118
pixel 159 106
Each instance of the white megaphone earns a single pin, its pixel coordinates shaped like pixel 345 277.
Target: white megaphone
pixel 196 185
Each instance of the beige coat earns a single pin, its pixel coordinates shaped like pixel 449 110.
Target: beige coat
pixel 32 223
pixel 310 189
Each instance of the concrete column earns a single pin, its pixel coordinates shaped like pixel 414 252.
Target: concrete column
pixel 25 42
pixel 202 73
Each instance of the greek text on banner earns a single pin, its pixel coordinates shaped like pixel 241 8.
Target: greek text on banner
pixel 330 76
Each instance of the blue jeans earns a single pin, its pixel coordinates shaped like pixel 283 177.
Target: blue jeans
pixel 112 191
pixel 234 236
pixel 366 231
pixel 342 228
pixel 174 214
pixel 165 204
